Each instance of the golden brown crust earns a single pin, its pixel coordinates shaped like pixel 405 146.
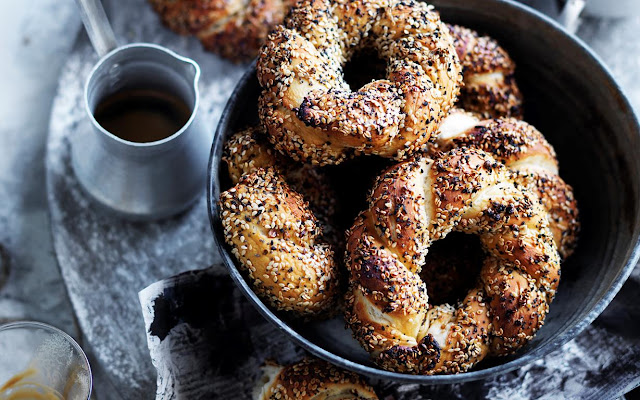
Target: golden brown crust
pixel 557 198
pixel 313 379
pixel 531 159
pixel 417 202
pixel 518 305
pixel 248 150
pixel 309 110
pixel 235 29
pixel 273 236
pixel 489 83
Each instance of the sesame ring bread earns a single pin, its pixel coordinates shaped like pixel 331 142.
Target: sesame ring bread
pixel 273 235
pixel 311 380
pixel 417 202
pixel 310 111
pixel 235 29
pixel 489 75
pixel 530 159
pixel 248 150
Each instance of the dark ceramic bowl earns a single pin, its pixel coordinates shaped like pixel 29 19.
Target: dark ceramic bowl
pixel 572 98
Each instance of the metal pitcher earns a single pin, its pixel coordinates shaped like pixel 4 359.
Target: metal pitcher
pixel 140 181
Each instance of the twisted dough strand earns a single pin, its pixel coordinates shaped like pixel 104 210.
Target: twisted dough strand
pixel 273 235
pixel 235 29
pixel 248 150
pixel 417 202
pixel 530 158
pixel 489 75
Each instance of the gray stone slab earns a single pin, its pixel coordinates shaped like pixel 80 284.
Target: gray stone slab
pixel 105 261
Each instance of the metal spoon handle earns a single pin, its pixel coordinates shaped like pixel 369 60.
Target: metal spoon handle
pixel 97 26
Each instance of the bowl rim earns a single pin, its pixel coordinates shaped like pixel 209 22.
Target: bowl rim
pixel 213 190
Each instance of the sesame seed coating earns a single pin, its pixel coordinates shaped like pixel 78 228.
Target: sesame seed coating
pixel 248 150
pixel 310 111
pixel 490 86
pixel 312 379
pixel 273 235
pixel 417 202
pixel 530 159
pixel 235 29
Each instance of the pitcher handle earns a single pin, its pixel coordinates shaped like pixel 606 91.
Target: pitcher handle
pixel 570 15
pixel 97 25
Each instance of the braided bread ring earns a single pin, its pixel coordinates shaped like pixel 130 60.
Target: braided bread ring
pixel 530 158
pixel 489 83
pixel 309 110
pixel 417 202
pixel 273 236
pixel 311 380
pixel 248 150
pixel 234 29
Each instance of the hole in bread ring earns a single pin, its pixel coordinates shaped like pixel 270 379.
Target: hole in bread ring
pixel 451 267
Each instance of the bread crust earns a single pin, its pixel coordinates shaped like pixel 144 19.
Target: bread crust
pixel 275 238
pixel 248 150
pixel 310 111
pixel 234 29
pixel 529 157
pixel 490 87
pixel 315 379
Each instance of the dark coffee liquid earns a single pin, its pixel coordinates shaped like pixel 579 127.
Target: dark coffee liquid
pixel 142 115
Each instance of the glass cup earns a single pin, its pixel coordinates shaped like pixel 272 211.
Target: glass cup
pixel 38 361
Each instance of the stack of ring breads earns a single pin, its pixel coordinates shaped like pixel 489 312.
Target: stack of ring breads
pixel 455 156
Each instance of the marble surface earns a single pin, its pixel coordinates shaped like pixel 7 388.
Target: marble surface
pixel 37 38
